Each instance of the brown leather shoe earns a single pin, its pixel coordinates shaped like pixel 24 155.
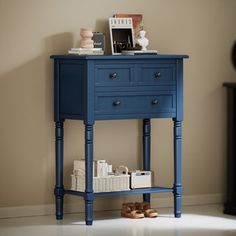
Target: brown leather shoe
pixel 128 210
pixel 145 207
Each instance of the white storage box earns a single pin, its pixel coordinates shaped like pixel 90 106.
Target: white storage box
pixel 141 179
pixel 108 183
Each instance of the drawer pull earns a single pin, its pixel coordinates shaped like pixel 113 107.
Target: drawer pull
pixel 157 75
pixel 113 75
pixel 155 102
pixel 116 103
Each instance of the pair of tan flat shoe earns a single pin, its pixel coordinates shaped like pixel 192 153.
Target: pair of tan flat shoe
pixel 138 210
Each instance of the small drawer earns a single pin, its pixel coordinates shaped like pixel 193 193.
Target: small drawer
pixel 131 104
pixel 113 75
pixel 156 74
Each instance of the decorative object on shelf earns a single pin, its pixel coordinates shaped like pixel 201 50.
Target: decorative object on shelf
pixel 104 180
pixel 110 171
pixel 100 168
pixel 121 34
pixel 98 40
pixel 122 170
pixel 137 20
pixel 141 179
pixel 87 44
pixel 86 38
pixel 110 183
pixel 142 40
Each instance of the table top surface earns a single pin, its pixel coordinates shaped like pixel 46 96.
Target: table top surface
pixel 118 57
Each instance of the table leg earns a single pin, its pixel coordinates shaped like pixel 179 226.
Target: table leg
pixel 58 190
pixel 89 195
pixel 177 168
pixel 146 151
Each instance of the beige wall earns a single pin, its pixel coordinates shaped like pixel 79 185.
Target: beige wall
pixel 32 30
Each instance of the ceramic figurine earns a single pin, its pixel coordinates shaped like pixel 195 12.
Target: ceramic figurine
pixel 142 41
pixel 86 38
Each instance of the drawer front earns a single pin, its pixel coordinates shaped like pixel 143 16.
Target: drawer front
pixel 156 74
pixel 132 104
pixel 113 75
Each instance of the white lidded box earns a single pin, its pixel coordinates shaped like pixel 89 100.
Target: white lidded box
pixel 141 179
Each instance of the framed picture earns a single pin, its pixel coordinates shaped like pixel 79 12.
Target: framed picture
pixel 121 33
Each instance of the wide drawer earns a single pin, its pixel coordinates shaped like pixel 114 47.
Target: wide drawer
pixel 131 104
pixel 156 74
pixel 113 75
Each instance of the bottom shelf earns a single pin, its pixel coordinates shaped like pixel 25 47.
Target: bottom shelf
pixel 126 192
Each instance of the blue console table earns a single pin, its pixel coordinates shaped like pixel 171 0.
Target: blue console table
pixel 91 88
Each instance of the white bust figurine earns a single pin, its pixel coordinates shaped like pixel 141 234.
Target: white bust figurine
pixel 142 41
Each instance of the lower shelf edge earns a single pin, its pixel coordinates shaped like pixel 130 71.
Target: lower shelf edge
pixel 126 192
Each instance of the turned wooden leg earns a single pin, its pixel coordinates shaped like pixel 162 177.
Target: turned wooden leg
pixel 177 168
pixel 146 151
pixel 89 195
pixel 58 190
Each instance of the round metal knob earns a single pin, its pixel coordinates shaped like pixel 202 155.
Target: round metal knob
pixel 113 75
pixel 157 75
pixel 116 103
pixel 155 102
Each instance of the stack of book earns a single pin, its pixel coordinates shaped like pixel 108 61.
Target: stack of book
pixel 86 51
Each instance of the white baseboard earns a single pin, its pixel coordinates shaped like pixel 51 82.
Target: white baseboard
pixel 109 204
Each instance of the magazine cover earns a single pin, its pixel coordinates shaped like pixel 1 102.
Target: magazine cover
pixel 137 21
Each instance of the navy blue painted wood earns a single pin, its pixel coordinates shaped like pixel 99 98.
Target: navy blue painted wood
pixel 109 87
pixel 72 84
pixel 113 75
pixel 177 168
pixel 179 89
pixel 146 151
pixel 56 91
pixel 156 74
pixel 118 103
pixel 89 196
pixel 58 190
pixel 120 57
pixel 128 192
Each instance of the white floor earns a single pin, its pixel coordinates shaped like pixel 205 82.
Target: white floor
pixel 196 220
